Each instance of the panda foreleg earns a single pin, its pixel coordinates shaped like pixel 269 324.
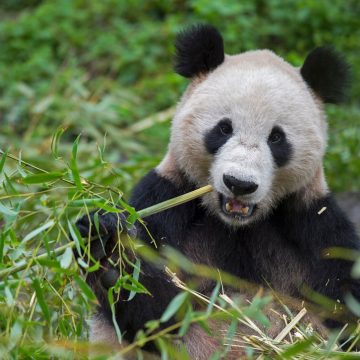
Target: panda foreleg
pixel 315 230
pixel 131 315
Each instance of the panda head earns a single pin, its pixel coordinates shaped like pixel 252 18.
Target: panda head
pixel 251 124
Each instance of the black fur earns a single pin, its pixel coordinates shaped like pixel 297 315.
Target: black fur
pixel 199 49
pixel 217 137
pixel 314 233
pixel 281 150
pixel 327 74
pixel 290 241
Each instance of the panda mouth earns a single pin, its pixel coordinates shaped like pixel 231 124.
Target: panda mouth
pixel 236 208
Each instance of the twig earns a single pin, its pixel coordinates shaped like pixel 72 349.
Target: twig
pixel 291 324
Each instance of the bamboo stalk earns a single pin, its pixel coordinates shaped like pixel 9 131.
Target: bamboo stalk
pixel 151 210
pixel 176 201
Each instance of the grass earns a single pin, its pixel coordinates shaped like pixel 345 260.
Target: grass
pixel 87 94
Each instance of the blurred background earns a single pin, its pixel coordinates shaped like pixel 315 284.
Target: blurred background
pixel 103 69
pixel 98 67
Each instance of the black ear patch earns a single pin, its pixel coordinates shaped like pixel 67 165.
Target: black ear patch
pixel 199 49
pixel 327 73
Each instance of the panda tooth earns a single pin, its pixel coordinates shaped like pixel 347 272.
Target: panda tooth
pixel 245 210
pixel 228 207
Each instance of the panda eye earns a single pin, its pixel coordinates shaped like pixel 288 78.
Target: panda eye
pixel 225 127
pixel 276 136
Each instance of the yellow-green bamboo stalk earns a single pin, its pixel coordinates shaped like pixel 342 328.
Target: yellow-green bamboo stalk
pixel 176 201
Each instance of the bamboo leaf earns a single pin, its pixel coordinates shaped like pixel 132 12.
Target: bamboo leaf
pixel 84 287
pixel 82 202
pixel 213 297
pixel 41 299
pixel 297 348
pixel 55 142
pixel 39 230
pixel 6 211
pixel 355 271
pixel 2 161
pixel 73 164
pixel 2 244
pixel 75 235
pixel 135 276
pixel 42 178
pixel 186 322
pixel 66 259
pixel 173 306
pixel 112 307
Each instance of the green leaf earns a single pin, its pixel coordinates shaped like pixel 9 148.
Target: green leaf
pixel 152 325
pixel 66 258
pixel 38 231
pixel 297 348
pixel 16 333
pixel 97 224
pixel 131 284
pixel 355 271
pixel 41 299
pixel 213 297
pixel 173 306
pixel 10 215
pixel 10 185
pixel 76 237
pixel 42 178
pixel 2 243
pixel 6 211
pixel 82 202
pixel 73 164
pixel 108 208
pixel 112 307
pixel 84 287
pixel 2 161
pixel 163 348
pixel 55 142
pixel 352 303
pixel 231 334
pixel 186 321
pixel 135 276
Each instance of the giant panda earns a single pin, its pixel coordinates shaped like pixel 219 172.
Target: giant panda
pixel 252 126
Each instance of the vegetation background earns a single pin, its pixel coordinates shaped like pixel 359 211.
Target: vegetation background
pixel 103 69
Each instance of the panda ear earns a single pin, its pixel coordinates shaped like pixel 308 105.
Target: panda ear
pixel 199 50
pixel 327 73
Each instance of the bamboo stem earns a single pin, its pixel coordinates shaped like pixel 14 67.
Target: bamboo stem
pixel 176 201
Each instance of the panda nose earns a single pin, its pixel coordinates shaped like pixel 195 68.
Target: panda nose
pixel 239 187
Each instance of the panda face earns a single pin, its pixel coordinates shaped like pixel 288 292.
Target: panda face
pixel 253 130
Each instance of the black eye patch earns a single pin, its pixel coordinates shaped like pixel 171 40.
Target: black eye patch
pixel 218 135
pixel 280 148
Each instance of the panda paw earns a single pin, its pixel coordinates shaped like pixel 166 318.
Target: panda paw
pixel 109 224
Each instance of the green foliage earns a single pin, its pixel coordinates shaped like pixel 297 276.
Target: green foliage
pixel 96 68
